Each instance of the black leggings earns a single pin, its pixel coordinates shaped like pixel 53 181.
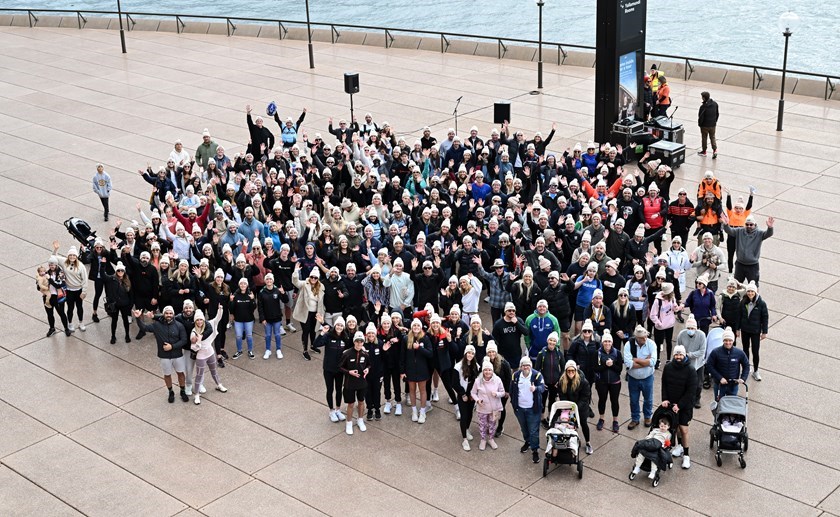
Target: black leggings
pixel 55 307
pixel 504 413
pixel 731 243
pixel 584 424
pixel 666 335
pixel 333 382
pixel 124 312
pixel 445 377
pixel 603 389
pixel 308 337
pixel 74 301
pixel 392 376
pixel 98 287
pixel 551 394
pixel 373 396
pixel 466 409
pixel 751 342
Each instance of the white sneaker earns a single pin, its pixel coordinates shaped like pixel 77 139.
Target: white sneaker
pixel 449 399
pixel 291 327
pixel 492 443
pixel 457 414
pixel 465 444
pixel 756 375
pixel 197 400
pixel 82 327
pixel 469 435
pixel 188 390
pixel 361 423
pixel 686 462
pixel 221 388
pixel 414 416
pixel 341 415
pixel 398 411
pixel 71 327
pixel 348 428
pixel 267 354
pixel 387 408
pixel 652 474
pixel 678 451
pixel 282 331
pixel 202 389
pixel 130 319
pixel 435 396
pixel 636 470
pixel 422 418
pixel 279 354
pixel 333 416
pixel 429 406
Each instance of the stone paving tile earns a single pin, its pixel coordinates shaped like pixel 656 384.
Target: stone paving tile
pixel 147 452
pixel 25 331
pixel 257 498
pixel 533 506
pixel 21 497
pixel 19 430
pixel 23 386
pixel 302 473
pixel 88 482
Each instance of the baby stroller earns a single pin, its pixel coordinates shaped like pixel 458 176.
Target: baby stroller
pixel 662 457
pixel 729 431
pixel 713 340
pixel 562 439
pixel 81 231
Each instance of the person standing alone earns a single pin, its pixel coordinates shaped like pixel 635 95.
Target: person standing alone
pixel 707 120
pixel 102 187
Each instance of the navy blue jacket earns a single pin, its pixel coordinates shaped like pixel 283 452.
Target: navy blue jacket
pixel 537 381
pixel 728 364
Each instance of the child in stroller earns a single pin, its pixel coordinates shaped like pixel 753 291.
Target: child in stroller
pixel 562 440
pixel 729 430
pixel 653 450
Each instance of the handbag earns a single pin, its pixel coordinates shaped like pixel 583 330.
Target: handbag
pixel 110 307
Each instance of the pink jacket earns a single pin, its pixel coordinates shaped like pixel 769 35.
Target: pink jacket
pixel 662 313
pixel 490 394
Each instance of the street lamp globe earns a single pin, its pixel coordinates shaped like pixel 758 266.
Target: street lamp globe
pixel 788 22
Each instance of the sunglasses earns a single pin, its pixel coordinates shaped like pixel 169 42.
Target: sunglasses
pixel 622 296
pixel 426 267
pixel 587 331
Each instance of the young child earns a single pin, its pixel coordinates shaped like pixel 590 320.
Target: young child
pixel 43 285
pixel 654 442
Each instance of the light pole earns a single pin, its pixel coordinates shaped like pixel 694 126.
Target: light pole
pixel 122 34
pixel 309 37
pixel 787 23
pixel 540 4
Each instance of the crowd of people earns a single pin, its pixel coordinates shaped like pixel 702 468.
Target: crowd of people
pixel 385 256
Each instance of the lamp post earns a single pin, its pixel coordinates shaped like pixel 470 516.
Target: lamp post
pixel 788 22
pixel 309 37
pixel 540 4
pixel 122 34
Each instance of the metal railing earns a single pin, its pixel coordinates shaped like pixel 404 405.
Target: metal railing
pixel 831 81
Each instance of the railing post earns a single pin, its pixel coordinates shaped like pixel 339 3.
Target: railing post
pixel 334 34
pixel 829 88
pixel 129 22
pixel 81 19
pixel 32 17
pixel 502 49
pixel 444 43
pixel 231 28
pixel 688 69
pixel 179 25
pixel 281 29
pixel 561 52
pixel 389 39
pixel 757 75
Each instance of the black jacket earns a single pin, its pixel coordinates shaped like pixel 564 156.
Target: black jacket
pixel 444 352
pixel 334 345
pixel 116 294
pixel 172 333
pixel 242 306
pixel 585 355
pixel 508 337
pixel 708 114
pixel 756 321
pixel 270 304
pixel 332 302
pixel 415 363
pixel 358 361
pixel 608 374
pixel 679 383
pixel 581 396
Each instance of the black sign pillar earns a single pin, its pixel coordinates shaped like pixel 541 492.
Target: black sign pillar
pixel 619 63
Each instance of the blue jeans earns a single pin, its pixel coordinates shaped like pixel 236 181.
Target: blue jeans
pixel 731 388
pixel 244 328
pixel 273 328
pixel 644 387
pixel 529 424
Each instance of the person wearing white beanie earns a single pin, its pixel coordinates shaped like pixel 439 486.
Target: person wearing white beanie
pixel 466 371
pixel 202 339
pixel 693 342
pixel 488 391
pixel 549 362
pixel 753 323
pixel 76 280
pixel 374 348
pixel 415 360
pixel 679 383
pixel 639 356
pixel 526 391
pixel 309 308
pixel 355 365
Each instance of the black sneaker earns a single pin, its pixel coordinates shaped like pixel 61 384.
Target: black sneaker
pixel 171 398
pixel 184 396
pixel 656 366
pixel 701 153
pixel 714 155
pixel 139 336
pixel 499 431
pixel 106 218
pixel 113 339
pixel 67 331
pixel 221 362
pixel 95 318
pixel 237 355
pixel 250 354
pixel 223 354
pixel 544 423
pixel 128 339
pixel 524 448
pixel 315 350
pixel 377 415
pixel 307 356
pixel 51 331
pixel 536 457
pixel 369 415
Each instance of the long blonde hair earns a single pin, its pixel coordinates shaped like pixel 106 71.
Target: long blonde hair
pixel 564 382
pixel 411 339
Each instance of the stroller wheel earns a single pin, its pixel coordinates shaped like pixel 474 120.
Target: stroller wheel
pixel 545 467
pixel 746 442
pixel 580 469
pixel 632 475
pixel 718 460
pixel 655 482
pixel 742 462
pixel 712 442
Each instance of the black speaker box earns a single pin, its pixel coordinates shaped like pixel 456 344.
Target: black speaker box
pixel 501 112
pixel 351 82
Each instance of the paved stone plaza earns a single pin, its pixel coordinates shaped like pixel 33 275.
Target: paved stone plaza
pixel 85 427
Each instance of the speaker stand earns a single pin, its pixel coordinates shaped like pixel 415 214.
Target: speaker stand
pixel 457 102
pixel 352 116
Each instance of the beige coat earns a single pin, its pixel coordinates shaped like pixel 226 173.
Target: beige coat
pixel 305 294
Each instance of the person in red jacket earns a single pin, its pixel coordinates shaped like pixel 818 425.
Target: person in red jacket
pixel 654 209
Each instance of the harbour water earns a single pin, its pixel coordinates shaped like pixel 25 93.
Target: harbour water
pixel 744 31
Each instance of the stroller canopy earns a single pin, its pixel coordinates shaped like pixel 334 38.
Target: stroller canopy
pixel 732 405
